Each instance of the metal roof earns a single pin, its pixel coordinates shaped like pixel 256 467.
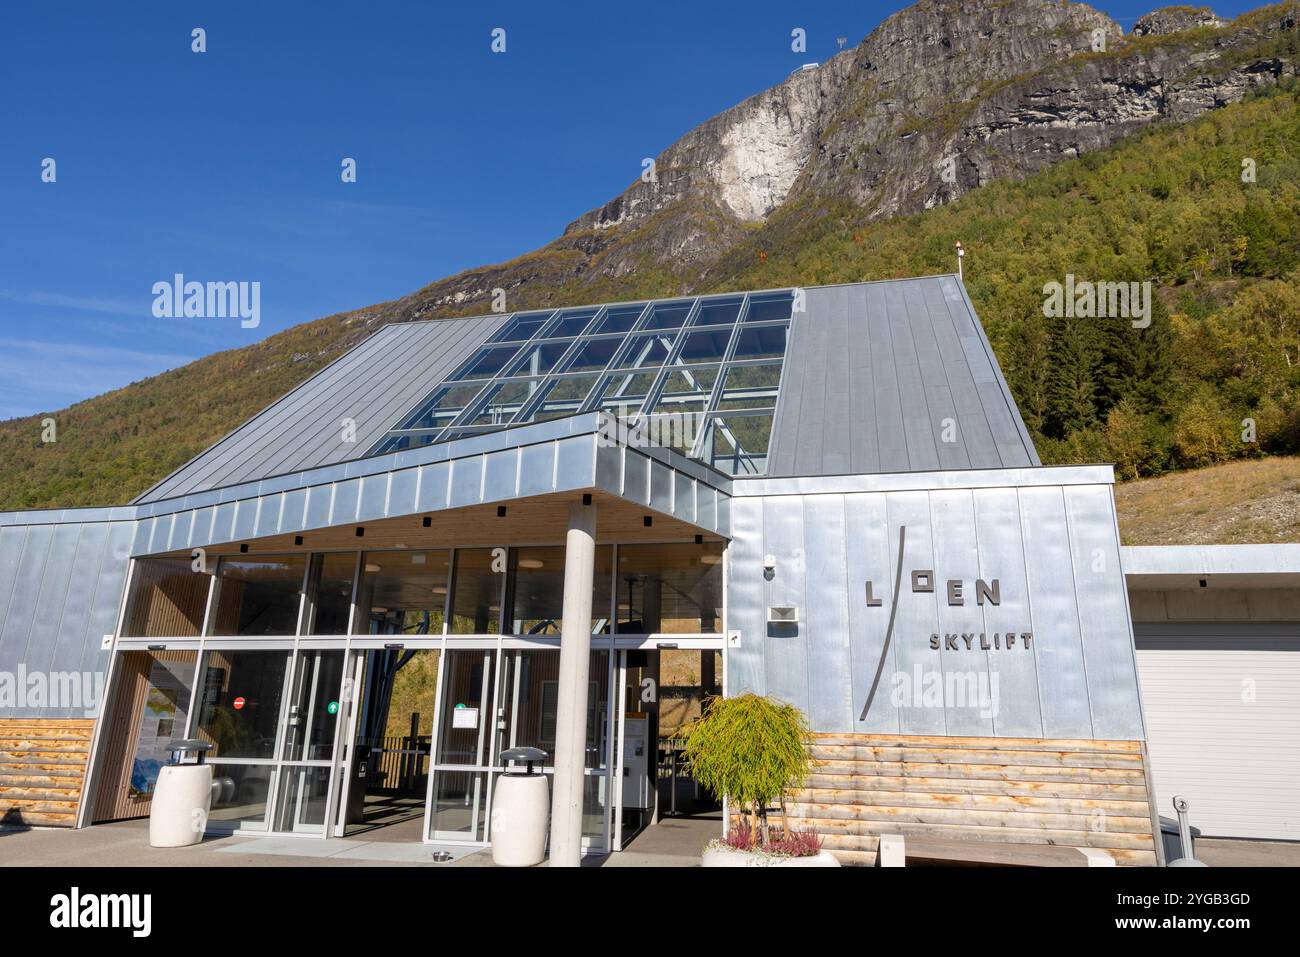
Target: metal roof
pixel 891 376
pixel 372 385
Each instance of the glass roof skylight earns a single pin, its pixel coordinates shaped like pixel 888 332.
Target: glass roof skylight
pixel 701 375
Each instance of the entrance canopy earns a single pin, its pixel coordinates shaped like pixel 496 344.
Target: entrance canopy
pixel 475 474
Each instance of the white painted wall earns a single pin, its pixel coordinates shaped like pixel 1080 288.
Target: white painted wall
pixel 1222 709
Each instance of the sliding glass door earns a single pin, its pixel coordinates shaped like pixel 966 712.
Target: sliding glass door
pixel 272 718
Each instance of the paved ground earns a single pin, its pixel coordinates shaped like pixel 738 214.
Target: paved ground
pixel 672 843
pixel 1220 852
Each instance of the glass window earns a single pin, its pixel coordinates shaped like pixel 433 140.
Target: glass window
pixel 476 594
pixel 540 357
pixel 239 711
pixel 704 345
pixel 168 598
pixel 618 318
pixel 240 793
pixel 563 397
pixel 486 363
pixel 695 382
pixel 737 443
pixel 570 323
pixel 624 394
pixel 521 327
pixel 670 589
pixel 258 596
pixel 763 342
pixel 593 355
pixel 502 402
pixel 329 591
pixel 536 593
pixel 466 707
pixel 668 315
pixel 672 426
pixel 648 351
pixel 530 695
pixel 459 805
pixel 303 798
pixel 769 305
pixel 402 592
pixel 399 443
pixel 443 406
pixel 718 311
pixel 751 387
pixel 168 686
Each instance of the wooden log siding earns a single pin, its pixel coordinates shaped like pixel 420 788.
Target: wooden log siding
pixel 1005 790
pixel 42 770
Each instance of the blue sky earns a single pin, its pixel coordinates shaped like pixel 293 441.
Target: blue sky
pixel 225 165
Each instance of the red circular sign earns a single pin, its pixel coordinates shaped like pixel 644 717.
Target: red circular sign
pixel 239 704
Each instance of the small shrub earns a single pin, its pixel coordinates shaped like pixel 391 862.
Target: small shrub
pixel 792 844
pixel 751 750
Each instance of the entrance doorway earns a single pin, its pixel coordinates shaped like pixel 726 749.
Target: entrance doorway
pixel 387 764
pixel 664 691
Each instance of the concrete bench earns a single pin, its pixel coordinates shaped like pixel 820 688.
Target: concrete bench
pixel 897 851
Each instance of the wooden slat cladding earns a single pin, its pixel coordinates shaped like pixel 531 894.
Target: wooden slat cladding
pixel 42 769
pixel 1074 793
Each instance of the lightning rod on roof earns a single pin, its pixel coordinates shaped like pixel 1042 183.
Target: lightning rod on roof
pixel 960 253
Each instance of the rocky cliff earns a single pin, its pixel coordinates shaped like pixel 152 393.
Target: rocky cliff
pixel 944 97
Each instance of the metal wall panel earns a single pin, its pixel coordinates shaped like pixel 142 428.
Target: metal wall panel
pixel 1018 711
pixel 826 613
pixel 785 650
pixel 746 600
pixel 1103 610
pixel 1075 679
pixel 60 590
pixel 1054 608
pixel 967 689
pixel 918 664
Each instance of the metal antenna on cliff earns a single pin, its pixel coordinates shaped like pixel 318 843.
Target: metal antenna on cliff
pixel 960 253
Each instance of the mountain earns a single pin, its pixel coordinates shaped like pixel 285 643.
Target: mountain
pixel 1033 130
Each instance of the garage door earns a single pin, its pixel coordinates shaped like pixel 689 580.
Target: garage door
pixel 1222 707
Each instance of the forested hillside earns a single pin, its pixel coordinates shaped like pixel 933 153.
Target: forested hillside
pixel 1167 205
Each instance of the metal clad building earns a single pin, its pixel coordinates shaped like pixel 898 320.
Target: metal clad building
pixel 823 495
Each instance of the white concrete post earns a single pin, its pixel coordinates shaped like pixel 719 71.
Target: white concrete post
pixel 571 710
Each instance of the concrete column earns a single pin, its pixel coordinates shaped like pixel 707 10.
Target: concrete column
pixel 571 710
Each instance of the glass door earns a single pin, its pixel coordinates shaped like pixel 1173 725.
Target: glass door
pixel 459 790
pixel 240 696
pixel 272 718
pixel 310 733
pixel 492 700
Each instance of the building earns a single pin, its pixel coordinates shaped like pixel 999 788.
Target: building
pixel 823 494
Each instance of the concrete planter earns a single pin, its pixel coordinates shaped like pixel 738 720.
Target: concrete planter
pixel 722 856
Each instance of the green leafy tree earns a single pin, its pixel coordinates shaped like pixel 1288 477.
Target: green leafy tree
pixel 750 750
